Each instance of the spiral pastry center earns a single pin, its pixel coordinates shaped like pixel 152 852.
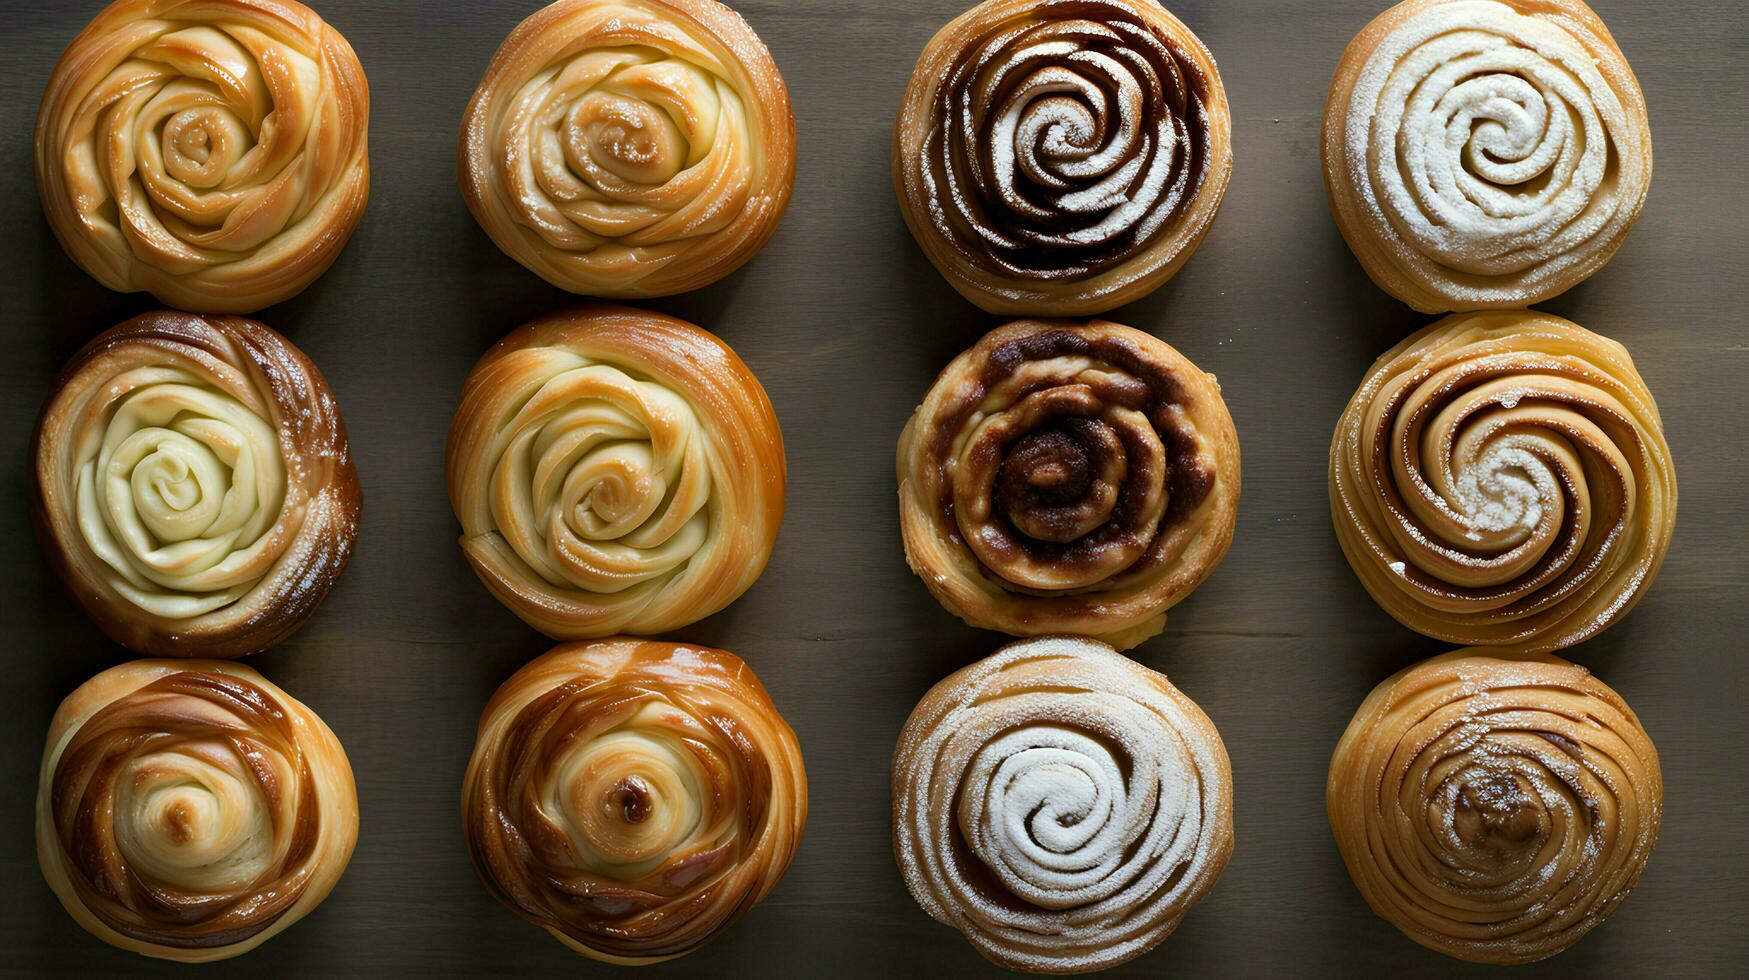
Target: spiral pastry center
pixel 631 798
pixel 1065 146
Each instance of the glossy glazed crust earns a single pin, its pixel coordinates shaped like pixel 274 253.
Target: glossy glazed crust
pixel 1061 157
pixel 190 810
pixel 193 486
pixel 1530 202
pixel 615 470
pixel 633 797
pixel 1495 806
pixel 1503 479
pixel 210 152
pixel 1061 805
pixel 1068 477
pixel 549 171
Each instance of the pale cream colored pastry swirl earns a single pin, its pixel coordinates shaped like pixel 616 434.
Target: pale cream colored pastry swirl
pixel 1061 805
pixel 1062 157
pixel 634 798
pixel 1068 477
pixel 628 148
pixel 1503 479
pixel 1485 154
pixel 615 470
pixel 210 152
pixel 1495 806
pixel 194 486
pixel 190 810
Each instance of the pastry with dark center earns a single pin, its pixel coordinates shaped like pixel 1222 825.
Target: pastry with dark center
pixel 1061 157
pixel 190 810
pixel 1068 477
pixel 1495 806
pixel 634 798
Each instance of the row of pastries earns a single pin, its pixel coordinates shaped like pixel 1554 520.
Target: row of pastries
pixel 1500 479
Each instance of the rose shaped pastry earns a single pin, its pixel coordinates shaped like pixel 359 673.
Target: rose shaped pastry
pixel 1485 154
pixel 1495 806
pixel 193 486
pixel 191 810
pixel 210 152
pixel 634 798
pixel 1502 479
pixel 1061 805
pixel 1061 157
pixel 1067 477
pixel 630 147
pixel 615 470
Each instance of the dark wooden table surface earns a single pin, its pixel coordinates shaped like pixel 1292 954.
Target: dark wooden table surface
pixel 847 324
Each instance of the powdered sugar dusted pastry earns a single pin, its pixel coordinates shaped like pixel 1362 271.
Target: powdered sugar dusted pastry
pixel 634 798
pixel 210 152
pixel 1485 154
pixel 191 810
pixel 193 485
pixel 615 470
pixel 1061 805
pixel 630 147
pixel 1502 479
pixel 1061 157
pixel 1495 806
pixel 1068 477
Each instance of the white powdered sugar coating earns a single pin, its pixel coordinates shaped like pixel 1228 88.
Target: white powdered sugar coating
pixel 1490 154
pixel 1060 805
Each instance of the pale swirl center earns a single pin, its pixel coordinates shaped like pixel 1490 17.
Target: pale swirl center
pixel 629 799
pixel 193 819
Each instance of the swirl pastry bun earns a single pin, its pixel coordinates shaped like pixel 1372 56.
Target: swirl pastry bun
pixel 1062 157
pixel 1065 477
pixel 629 148
pixel 1061 805
pixel 1485 154
pixel 1495 806
pixel 210 152
pixel 615 470
pixel 1502 479
pixel 633 797
pixel 193 485
pixel 190 810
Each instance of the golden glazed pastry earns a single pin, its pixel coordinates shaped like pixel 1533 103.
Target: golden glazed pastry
pixel 1502 479
pixel 190 810
pixel 630 148
pixel 1485 154
pixel 1061 805
pixel 1065 477
pixel 210 152
pixel 615 470
pixel 633 797
pixel 1062 157
pixel 1494 806
pixel 194 488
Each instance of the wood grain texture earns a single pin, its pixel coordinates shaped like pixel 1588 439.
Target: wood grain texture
pixel 846 324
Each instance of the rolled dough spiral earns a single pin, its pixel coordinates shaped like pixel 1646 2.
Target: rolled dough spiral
pixel 1061 805
pixel 190 810
pixel 634 798
pixel 193 484
pixel 210 152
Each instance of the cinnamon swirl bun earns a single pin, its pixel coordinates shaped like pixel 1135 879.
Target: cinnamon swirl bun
pixel 210 152
pixel 1485 154
pixel 191 810
pixel 615 470
pixel 1066 477
pixel 1061 805
pixel 633 797
pixel 629 148
pixel 1503 479
pixel 193 485
pixel 1061 157
pixel 1495 806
